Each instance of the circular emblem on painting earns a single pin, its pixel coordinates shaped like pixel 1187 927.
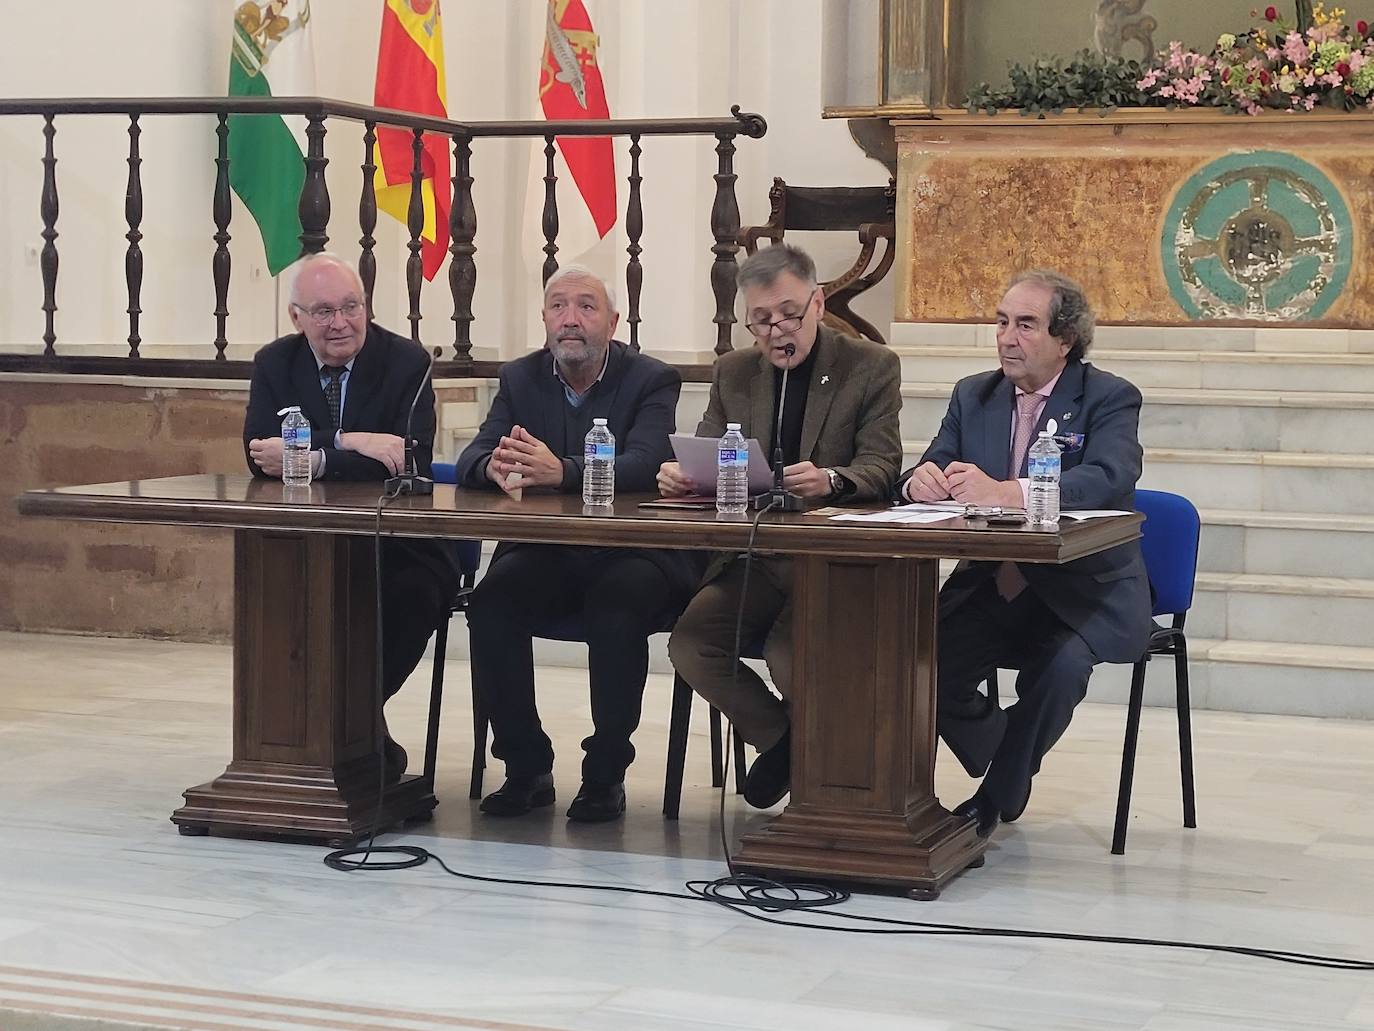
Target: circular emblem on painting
pixel 1261 235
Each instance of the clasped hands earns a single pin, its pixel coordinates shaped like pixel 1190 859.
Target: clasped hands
pixel 524 453
pixel 964 482
pixel 804 479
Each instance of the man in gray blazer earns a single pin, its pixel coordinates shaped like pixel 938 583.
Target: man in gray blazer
pixel 840 442
pixel 1052 623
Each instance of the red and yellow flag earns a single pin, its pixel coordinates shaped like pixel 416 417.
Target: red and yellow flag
pixel 570 87
pixel 410 77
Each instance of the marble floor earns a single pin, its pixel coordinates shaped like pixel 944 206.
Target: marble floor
pixel 108 918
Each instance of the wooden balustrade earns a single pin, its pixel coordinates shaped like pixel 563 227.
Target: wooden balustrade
pixel 314 210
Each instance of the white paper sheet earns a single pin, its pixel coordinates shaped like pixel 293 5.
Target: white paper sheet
pixel 1092 513
pixel 900 515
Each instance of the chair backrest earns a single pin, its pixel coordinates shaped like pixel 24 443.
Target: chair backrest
pixel 1169 541
pixel 469 552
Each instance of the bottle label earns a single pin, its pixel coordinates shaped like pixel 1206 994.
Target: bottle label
pixel 605 452
pixel 1043 467
pixel 733 457
pixel 296 436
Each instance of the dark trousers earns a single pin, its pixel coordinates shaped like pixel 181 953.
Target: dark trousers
pixel 986 633
pixel 418 586
pixel 617 598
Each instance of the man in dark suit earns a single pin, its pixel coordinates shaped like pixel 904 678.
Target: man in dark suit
pixel 355 382
pixel 533 439
pixel 1052 623
pixel 840 443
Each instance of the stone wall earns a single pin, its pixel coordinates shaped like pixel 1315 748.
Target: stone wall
pixel 111 579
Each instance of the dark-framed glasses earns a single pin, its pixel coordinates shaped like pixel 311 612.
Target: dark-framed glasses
pixel 323 314
pixel 788 324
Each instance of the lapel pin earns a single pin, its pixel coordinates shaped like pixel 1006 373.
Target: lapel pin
pixel 825 380
pixel 1068 416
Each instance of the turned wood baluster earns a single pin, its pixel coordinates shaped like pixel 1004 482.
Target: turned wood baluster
pixel 133 215
pixel 462 269
pixel 314 202
pixel 634 228
pixel 367 214
pixel 550 218
pixel 48 258
pixel 220 264
pixel 725 228
pixel 415 219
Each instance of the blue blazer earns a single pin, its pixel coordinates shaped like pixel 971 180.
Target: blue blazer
pixel 1104 597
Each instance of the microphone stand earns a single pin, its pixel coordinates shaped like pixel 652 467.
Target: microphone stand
pixel 409 481
pixel 780 499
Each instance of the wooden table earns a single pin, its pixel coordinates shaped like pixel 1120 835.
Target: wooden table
pixel 863 806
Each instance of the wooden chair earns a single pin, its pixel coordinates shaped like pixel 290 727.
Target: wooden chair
pixel 869 211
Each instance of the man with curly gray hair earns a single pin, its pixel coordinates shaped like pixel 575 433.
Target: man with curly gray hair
pixel 1052 623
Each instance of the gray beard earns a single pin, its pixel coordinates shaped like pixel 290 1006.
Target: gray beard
pixel 574 354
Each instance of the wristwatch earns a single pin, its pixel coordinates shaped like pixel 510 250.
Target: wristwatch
pixel 836 481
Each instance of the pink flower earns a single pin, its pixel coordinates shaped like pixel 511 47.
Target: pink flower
pixel 1362 27
pixel 1309 102
pixel 1295 50
pixel 1271 14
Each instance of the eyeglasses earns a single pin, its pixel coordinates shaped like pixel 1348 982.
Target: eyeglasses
pixel 790 324
pixel 324 315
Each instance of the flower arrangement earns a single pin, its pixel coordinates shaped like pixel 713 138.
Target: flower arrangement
pixel 1275 65
pixel 1316 60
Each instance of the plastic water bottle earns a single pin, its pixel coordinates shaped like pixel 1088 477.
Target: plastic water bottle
pixel 598 466
pixel 732 471
pixel 1043 465
pixel 295 448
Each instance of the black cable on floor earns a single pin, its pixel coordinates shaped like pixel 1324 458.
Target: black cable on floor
pixel 760 898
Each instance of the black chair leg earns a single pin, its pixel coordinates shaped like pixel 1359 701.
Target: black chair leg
pixel 436 702
pixel 717 750
pixel 479 743
pixel 679 722
pixel 1123 794
pixel 1185 733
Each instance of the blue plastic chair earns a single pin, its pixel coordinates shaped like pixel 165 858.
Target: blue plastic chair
pixel 567 629
pixel 1169 542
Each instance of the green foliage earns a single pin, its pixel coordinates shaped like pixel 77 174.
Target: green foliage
pixel 1048 85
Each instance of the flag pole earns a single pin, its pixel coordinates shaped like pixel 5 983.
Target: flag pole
pixel 276 306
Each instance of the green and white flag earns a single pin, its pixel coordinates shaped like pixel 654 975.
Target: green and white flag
pixel 272 55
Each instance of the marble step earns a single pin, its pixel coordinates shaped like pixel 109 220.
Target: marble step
pixel 1264 481
pixel 1276 607
pixel 1251 676
pixel 1222 370
pixel 1255 340
pixel 1297 421
pixel 1293 544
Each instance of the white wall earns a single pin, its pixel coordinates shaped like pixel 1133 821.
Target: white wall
pixel 659 60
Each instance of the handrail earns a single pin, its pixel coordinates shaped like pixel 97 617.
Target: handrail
pixel 742 122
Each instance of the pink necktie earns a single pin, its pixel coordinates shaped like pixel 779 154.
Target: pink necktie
pixel 1009 580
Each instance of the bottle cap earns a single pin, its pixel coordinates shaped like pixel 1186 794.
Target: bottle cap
pixel 598 422
pixel 292 408
pixel 731 426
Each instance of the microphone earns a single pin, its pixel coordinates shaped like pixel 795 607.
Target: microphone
pixel 779 497
pixel 409 481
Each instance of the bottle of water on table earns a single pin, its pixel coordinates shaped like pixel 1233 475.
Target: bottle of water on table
pixel 598 465
pixel 295 448
pixel 1043 464
pixel 732 471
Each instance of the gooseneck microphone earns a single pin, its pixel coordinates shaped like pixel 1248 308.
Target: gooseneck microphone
pixel 780 498
pixel 409 481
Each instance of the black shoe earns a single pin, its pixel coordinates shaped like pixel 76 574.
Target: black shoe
pixel 518 795
pixel 974 741
pixel 598 803
pixel 395 758
pixel 770 777
pixel 1012 815
pixel 982 812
